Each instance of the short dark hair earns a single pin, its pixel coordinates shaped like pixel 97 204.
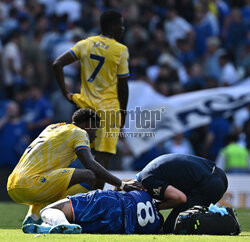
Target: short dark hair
pixel 84 115
pixel 109 18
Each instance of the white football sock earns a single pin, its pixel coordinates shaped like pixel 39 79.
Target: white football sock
pixel 45 224
pixel 53 216
pixel 33 216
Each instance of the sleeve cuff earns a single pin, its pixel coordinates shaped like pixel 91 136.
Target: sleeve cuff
pixel 82 147
pixel 123 75
pixel 73 53
pixel 162 192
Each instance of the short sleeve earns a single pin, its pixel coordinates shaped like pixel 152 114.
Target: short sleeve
pixel 76 49
pixel 81 140
pixel 123 70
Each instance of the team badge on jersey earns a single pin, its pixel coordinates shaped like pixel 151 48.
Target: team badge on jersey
pixel 157 191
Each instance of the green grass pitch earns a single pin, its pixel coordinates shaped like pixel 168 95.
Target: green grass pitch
pixel 12 214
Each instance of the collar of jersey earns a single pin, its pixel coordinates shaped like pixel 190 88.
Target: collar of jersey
pixel 103 36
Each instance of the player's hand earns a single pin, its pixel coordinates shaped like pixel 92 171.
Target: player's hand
pixel 69 97
pixel 133 185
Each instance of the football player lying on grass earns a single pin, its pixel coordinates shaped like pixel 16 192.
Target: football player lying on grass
pixel 102 212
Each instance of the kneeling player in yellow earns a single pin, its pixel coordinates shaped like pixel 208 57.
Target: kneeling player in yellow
pixel 41 176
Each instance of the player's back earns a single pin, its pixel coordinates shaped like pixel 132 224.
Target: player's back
pixel 181 171
pixel 102 61
pixel 53 148
pixel 141 216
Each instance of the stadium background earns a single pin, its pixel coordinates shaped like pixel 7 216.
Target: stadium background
pixel 175 46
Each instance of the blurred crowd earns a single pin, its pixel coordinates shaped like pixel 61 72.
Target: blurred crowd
pixel 176 46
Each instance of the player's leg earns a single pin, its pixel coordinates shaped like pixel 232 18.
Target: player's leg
pixel 26 196
pixel 82 181
pixel 106 140
pixel 83 176
pixel 215 187
pixel 64 207
pixel 98 211
pixel 56 217
pixel 33 215
pixel 46 188
pixel 52 186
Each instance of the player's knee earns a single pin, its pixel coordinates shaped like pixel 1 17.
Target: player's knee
pixel 83 175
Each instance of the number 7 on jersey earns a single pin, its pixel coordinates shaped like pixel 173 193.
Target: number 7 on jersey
pixel 101 60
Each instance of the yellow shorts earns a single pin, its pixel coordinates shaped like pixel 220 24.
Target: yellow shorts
pixel 42 188
pixel 108 133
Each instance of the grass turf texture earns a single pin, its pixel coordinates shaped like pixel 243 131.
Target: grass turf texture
pixel 12 215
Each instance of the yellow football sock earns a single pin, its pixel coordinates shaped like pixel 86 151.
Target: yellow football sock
pixel 34 210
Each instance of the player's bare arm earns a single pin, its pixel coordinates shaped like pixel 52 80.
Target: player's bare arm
pixel 123 97
pixel 89 162
pixel 173 197
pixel 63 60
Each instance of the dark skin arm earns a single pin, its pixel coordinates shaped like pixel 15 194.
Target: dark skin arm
pixel 89 162
pixel 63 60
pixel 122 89
pixel 66 59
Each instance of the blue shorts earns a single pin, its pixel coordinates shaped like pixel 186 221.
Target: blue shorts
pixel 98 212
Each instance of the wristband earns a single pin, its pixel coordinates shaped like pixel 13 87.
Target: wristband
pixel 122 185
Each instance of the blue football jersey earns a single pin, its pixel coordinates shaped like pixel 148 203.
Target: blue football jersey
pixel 141 216
pixel 115 212
pixel 98 212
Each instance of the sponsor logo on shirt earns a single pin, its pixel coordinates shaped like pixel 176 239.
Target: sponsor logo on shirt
pixel 157 191
pixel 64 171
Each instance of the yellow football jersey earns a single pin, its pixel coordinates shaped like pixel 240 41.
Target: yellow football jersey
pixel 102 60
pixel 54 148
